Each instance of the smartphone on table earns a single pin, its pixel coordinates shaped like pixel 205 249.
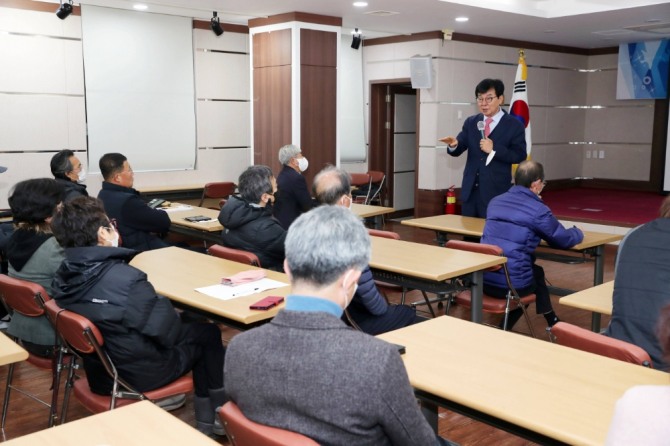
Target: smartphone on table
pixel 267 302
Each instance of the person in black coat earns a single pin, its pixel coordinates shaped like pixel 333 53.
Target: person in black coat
pixel 248 222
pixel 293 197
pixel 143 334
pixel 138 224
pixel 69 173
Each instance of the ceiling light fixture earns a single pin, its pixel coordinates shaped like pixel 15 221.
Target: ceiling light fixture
pixel 360 4
pixel 64 10
pixel 462 19
pixel 215 24
pixel 357 38
pixel 140 7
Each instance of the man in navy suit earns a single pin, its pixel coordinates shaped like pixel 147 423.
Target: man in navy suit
pixel 495 145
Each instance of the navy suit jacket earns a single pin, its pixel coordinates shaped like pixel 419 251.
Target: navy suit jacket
pixel 292 198
pixel 509 143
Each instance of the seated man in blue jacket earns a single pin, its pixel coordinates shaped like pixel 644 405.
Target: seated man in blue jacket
pixel 517 221
pixel 138 224
pixel 368 309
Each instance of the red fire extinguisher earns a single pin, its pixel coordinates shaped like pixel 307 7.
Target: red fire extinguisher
pixel 450 202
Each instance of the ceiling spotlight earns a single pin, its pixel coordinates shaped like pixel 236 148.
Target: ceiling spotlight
pixel 64 10
pixel 215 25
pixel 462 19
pixel 356 39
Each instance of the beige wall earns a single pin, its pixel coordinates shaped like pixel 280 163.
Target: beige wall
pixel 42 105
pixel 42 101
pixel 572 100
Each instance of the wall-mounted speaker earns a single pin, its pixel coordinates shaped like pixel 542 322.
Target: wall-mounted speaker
pixel 421 71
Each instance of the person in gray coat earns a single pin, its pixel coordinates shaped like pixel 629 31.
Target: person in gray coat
pixel 306 371
pixel 34 254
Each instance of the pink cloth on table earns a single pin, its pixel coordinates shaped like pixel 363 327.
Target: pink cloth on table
pixel 244 277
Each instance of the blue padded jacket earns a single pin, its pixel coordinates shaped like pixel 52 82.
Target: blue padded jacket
pixel 517 221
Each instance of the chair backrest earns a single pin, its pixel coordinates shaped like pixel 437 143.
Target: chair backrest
pixel 23 296
pixel 580 338
pixel 220 189
pixel 243 432
pixel 377 178
pixel 481 248
pixel 360 179
pixel 235 255
pixel 76 330
pixel 384 234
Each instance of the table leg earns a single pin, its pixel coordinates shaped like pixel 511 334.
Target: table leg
pixel 477 294
pixel 379 222
pixel 598 268
pixel 595 322
pixel 429 411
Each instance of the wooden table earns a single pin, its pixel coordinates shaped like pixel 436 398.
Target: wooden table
pixel 593 243
pixel 369 211
pixel 10 351
pixel 545 392
pixel 208 230
pixel 597 299
pixel 176 273
pixel 138 424
pixel 429 268
pixel 173 192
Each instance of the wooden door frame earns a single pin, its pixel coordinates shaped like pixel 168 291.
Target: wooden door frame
pixel 381 150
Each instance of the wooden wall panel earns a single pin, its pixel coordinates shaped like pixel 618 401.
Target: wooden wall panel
pixel 318 48
pixel 272 114
pixel 272 49
pixel 318 91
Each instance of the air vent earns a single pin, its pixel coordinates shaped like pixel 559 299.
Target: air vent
pixel 381 13
pixel 613 32
pixel 656 28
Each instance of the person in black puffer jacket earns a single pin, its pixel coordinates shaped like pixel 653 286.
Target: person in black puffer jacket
pixel 144 335
pixel 247 219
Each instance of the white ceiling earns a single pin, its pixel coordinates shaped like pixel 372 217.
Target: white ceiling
pixel 575 23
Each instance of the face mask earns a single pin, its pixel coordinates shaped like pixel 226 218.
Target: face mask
pixel 351 200
pixel 348 299
pixel 303 164
pixel 82 176
pixel 115 240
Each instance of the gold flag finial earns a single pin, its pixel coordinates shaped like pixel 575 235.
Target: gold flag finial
pixel 522 52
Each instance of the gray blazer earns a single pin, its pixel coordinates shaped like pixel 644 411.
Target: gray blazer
pixel 308 372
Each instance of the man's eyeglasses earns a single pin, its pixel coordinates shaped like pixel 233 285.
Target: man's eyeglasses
pixel 487 99
pixel 112 224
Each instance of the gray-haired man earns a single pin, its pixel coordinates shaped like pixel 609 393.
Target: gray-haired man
pixel 368 309
pixel 306 371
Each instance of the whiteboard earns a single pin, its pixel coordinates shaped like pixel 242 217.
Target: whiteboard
pixel 140 90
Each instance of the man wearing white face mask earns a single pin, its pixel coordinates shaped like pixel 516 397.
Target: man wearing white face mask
pixel 293 195
pixel 247 218
pixel 369 310
pixel 69 173
pixel 145 337
pixel 306 371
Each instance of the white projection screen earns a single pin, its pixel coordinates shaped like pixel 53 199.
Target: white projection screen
pixel 140 93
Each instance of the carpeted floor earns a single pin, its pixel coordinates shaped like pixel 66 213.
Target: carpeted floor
pixel 615 207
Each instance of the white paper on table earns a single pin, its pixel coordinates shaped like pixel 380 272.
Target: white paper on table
pixel 176 208
pixel 226 292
